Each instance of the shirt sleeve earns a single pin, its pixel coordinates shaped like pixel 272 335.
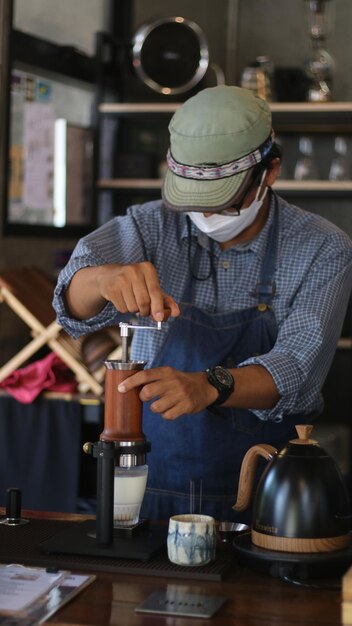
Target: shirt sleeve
pixel 117 241
pixel 308 336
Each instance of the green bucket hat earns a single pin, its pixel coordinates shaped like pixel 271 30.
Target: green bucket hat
pixel 216 138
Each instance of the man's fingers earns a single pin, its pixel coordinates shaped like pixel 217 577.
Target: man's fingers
pixel 171 308
pixel 144 377
pixel 155 294
pixel 172 393
pixel 135 288
pixel 136 380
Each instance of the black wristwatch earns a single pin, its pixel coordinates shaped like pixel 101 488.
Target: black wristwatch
pixel 222 380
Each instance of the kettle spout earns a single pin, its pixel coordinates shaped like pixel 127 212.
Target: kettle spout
pixel 248 468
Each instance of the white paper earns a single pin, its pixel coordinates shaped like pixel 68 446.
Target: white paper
pixel 38 156
pixel 20 586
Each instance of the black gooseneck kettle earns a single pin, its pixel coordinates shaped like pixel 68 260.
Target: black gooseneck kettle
pixel 301 503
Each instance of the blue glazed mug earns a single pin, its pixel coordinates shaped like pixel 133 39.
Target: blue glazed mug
pixel 191 539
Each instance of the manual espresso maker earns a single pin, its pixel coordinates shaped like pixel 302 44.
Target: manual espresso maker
pixel 122 448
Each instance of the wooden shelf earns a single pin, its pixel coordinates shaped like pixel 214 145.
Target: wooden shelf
pixel 130 183
pixel 139 107
pixel 280 185
pixel 310 107
pixel 276 107
pixel 313 185
pixel 345 343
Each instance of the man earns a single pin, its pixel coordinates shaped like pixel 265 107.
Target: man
pixel 252 293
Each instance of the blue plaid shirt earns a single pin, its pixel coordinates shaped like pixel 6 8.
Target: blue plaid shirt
pixel 313 283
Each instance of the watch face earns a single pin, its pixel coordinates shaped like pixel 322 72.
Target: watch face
pixel 224 382
pixel 223 376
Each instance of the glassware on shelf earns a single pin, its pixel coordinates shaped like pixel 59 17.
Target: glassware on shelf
pixel 259 78
pixel 340 167
pixel 306 168
pixel 320 67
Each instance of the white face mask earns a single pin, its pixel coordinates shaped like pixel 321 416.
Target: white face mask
pixel 225 227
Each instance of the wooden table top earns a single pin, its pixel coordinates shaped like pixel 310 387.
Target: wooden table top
pixel 253 599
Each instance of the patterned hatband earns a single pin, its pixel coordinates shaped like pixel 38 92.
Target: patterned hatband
pixel 211 172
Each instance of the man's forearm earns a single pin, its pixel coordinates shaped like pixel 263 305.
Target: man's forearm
pixel 83 297
pixel 254 388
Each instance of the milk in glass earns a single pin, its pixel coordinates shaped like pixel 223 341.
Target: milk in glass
pixel 129 489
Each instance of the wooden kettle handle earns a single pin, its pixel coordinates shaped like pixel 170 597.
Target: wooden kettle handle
pixel 247 474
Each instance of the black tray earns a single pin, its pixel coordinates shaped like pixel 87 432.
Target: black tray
pixel 292 566
pixel 25 544
pixel 80 539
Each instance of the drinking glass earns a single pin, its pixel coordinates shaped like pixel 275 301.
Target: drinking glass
pixel 340 165
pixel 305 168
pixel 129 489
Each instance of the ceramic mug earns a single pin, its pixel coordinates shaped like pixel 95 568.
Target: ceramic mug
pixel 191 539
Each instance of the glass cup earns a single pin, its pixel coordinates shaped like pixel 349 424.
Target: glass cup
pixel 340 168
pixel 305 168
pixel 191 539
pixel 129 489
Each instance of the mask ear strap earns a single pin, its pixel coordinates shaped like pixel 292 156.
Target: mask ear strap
pixel 259 188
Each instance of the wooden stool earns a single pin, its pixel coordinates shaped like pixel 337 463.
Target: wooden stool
pixel 29 293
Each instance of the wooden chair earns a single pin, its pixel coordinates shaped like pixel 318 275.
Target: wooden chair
pixel 29 293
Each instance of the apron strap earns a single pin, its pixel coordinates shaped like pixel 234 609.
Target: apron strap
pixel 266 288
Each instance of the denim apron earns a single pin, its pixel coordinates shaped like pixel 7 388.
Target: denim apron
pixel 195 460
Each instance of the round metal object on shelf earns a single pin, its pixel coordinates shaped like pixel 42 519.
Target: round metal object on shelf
pixel 170 55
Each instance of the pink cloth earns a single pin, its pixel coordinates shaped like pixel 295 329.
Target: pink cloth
pixel 49 373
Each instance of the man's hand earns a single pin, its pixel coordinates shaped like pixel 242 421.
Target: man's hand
pixel 131 289
pixel 136 289
pixel 175 392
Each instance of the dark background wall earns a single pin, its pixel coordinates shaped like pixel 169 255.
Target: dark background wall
pixel 237 31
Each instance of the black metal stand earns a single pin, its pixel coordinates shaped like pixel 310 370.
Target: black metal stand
pixel 104 452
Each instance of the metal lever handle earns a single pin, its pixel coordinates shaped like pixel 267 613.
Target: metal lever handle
pixel 124 332
pixel 125 328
